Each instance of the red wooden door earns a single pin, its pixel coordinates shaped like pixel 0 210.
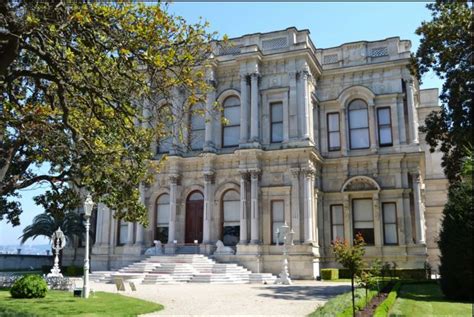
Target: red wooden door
pixel 194 218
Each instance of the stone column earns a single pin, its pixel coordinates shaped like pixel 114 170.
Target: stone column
pixel 401 120
pixel 308 184
pixel 412 114
pixel 407 218
pixel 372 127
pixel 254 210
pixel 378 241
pixel 343 131
pixel 139 235
pixel 130 233
pixel 304 114
pixel 244 109
pixel 419 213
pixel 173 207
pixel 318 126
pixel 295 203
pixel 209 145
pixel 347 218
pixel 254 118
pixel 244 238
pixel 315 215
pixel 208 195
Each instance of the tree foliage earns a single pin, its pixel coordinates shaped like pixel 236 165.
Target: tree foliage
pixel 455 239
pixel 446 48
pixel 72 75
pixel 351 258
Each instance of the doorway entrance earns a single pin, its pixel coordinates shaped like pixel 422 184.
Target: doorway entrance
pixel 194 217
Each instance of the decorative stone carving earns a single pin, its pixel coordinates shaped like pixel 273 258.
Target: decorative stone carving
pixel 222 249
pixel 360 183
pixel 156 250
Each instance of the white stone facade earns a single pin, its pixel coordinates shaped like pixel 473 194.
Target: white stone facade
pixel 376 176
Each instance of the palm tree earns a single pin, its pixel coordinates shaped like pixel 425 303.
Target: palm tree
pixel 46 224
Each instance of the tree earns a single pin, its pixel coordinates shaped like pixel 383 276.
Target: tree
pixel 350 257
pixel 446 48
pixel 455 239
pixel 72 77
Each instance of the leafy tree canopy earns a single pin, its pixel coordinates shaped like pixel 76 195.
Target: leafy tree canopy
pixel 446 48
pixel 71 77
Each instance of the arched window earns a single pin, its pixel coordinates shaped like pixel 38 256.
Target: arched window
pixel 162 218
pixel 358 125
pixel 231 224
pixel 197 127
pixel 231 131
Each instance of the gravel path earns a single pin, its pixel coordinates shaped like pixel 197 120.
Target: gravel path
pixel 298 299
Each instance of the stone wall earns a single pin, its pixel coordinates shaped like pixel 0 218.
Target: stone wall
pixel 15 262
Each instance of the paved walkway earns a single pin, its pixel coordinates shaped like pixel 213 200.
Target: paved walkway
pixel 299 299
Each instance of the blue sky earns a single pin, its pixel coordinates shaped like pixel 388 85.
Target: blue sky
pixel 330 24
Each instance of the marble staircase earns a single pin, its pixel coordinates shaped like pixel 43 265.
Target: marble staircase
pixel 184 268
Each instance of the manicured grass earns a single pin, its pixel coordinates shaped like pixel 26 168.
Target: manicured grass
pixel 60 303
pixel 426 299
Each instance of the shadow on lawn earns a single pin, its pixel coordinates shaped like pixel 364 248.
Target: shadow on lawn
pixel 299 292
pixel 427 292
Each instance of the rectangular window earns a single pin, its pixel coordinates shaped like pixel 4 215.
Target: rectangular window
pixel 122 232
pixel 337 222
pixel 231 131
pixel 162 222
pixel 276 119
pixel 363 218
pixel 278 219
pixel 390 235
pixel 334 132
pixel 231 234
pixel 198 128
pixel 385 126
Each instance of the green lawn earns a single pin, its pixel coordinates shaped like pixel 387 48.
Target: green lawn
pixel 60 303
pixel 426 299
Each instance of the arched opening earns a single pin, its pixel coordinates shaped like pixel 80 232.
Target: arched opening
pixel 358 125
pixel 231 131
pixel 231 219
pixel 194 217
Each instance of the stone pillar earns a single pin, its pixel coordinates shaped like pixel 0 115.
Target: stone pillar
pixel 347 218
pixel 304 114
pixel 315 217
pixel 378 240
pixel 254 210
pixel 209 145
pixel 130 233
pixel 317 127
pixel 244 109
pixel 208 198
pixel 173 207
pixel 244 238
pixel 401 120
pixel 419 213
pixel 407 218
pixel 139 235
pixel 295 203
pixel 372 127
pixel 308 188
pixel 254 118
pixel 343 131
pixel 412 114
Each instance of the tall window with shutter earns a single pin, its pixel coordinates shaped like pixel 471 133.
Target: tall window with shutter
pixel 231 130
pixel 276 119
pixel 334 132
pixel 278 218
pixel 162 218
pixel 358 125
pixel 390 234
pixel 363 218
pixel 337 222
pixel 384 121
pixel 231 211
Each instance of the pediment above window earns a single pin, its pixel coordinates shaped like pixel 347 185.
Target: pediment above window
pixel 360 183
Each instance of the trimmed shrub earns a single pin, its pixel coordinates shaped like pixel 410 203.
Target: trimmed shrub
pixel 329 274
pixel 29 286
pixel 344 273
pixel 384 307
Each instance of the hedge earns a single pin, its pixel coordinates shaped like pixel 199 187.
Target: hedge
pixel 329 274
pixel 384 307
pixel 414 274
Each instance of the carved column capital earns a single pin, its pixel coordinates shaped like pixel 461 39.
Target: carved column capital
pixel 416 177
pixel 209 176
pixel 174 179
pixel 295 172
pixel 309 172
pixel 255 173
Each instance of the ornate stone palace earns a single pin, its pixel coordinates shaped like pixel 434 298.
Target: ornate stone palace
pixel 325 140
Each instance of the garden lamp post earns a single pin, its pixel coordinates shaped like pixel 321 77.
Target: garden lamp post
pixel 88 205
